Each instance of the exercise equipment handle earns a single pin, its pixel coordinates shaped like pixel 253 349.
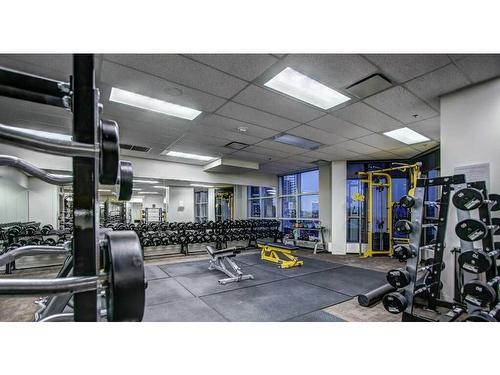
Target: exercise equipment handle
pixel 12 161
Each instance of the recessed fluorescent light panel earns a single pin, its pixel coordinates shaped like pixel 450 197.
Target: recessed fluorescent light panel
pixel 302 87
pixel 146 181
pixel 184 155
pixel 293 140
pixel 160 187
pixel 201 185
pixel 104 190
pixel 152 104
pixel 149 192
pixel 406 135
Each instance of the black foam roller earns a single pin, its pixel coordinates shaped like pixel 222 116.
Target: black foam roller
pixel 375 295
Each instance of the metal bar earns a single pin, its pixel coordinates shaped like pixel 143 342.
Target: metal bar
pixel 12 161
pixel 36 84
pixel 23 251
pixel 85 173
pixel 62 317
pixel 15 93
pixel 43 287
pixel 62 147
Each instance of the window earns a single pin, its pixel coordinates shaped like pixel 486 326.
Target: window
pixel 261 202
pixel 356 210
pixel 201 206
pixel 299 205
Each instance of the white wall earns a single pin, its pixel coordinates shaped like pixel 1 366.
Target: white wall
pixel 470 134
pixel 43 202
pixel 13 195
pixel 184 195
pixel 211 204
pixel 240 202
pixel 338 222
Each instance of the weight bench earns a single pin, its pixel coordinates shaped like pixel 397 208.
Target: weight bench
pixel 280 253
pixel 219 259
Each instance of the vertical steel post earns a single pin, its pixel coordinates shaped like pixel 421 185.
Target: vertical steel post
pixel 85 175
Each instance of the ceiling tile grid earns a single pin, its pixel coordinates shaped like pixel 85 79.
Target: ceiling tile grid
pixel 367 117
pixel 338 126
pixel 401 104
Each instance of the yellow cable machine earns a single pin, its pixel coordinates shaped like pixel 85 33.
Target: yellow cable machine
pixel 381 180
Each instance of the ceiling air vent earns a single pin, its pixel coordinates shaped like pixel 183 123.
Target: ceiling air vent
pixel 135 148
pixel 369 86
pixel 237 145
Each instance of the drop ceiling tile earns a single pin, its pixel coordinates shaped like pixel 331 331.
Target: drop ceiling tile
pixel 53 66
pixel 338 126
pixel 254 116
pixel 380 141
pixel 363 115
pixel 480 67
pixel 286 166
pixel 273 145
pixel 430 128
pixel 183 71
pixel 405 152
pixel 334 70
pixel 204 140
pixel 224 124
pixel 227 136
pixel 251 156
pixel 267 151
pixel 383 155
pixel 339 153
pixel 195 147
pixel 404 67
pixel 425 145
pixel 245 66
pixel 303 158
pixel 432 85
pixel 357 147
pixel 277 104
pixel 115 75
pixel 401 104
pixel 317 135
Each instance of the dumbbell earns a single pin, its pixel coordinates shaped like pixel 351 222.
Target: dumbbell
pixel 480 293
pixel 12 232
pixel 473 230
pixel 30 230
pixel 145 242
pixel 396 302
pixel 50 242
pixel 399 277
pixel 403 252
pixel 406 227
pixel 156 241
pixel 485 316
pixel 468 199
pixel 172 239
pixel 46 229
pixel 477 261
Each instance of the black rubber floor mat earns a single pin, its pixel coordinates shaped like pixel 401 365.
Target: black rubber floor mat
pixel 272 302
pixel 317 316
pixel 165 290
pixel 347 280
pixel 202 284
pixel 309 266
pixel 185 268
pixel 185 310
pixel 154 272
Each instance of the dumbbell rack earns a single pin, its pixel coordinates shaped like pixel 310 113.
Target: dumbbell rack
pixel 415 242
pixel 488 243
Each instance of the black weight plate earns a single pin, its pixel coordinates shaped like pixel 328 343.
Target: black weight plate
pixel 126 180
pixel 403 252
pixel 471 230
pixel 126 294
pixel 407 201
pixel 395 302
pixel 398 277
pixel 403 226
pixel 475 261
pixel 468 199
pixel 478 293
pixel 109 158
pixel 496 199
